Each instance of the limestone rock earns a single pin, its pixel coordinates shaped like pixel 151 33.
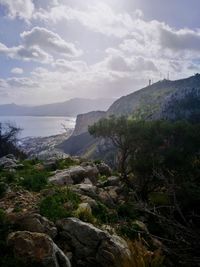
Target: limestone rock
pixel 33 223
pixel 92 246
pixel 75 175
pixel 37 248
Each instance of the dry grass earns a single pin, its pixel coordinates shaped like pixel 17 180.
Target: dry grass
pixel 141 256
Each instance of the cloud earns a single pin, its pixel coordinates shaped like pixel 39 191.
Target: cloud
pixel 71 66
pixel 49 41
pixel 17 71
pixel 98 17
pixel 19 8
pixel 183 39
pixel 41 45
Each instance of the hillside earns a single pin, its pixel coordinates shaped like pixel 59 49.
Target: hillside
pixel 171 100
pixel 150 99
pixel 72 108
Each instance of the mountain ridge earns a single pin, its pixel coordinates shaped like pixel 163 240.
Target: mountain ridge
pixel 71 107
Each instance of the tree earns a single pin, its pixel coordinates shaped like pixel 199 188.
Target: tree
pixel 8 140
pixel 117 130
pixel 153 151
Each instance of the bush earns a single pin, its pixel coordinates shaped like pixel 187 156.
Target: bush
pixel 35 182
pixel 84 215
pixel 104 215
pixel 60 205
pixel 127 211
pixel 3 189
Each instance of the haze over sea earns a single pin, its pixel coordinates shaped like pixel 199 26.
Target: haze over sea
pixel 40 126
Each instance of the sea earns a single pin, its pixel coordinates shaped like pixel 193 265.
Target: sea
pixel 40 126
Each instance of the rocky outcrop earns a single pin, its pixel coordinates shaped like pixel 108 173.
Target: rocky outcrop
pixel 9 162
pixel 75 175
pixel 91 246
pixel 38 249
pixel 33 223
pixel 84 120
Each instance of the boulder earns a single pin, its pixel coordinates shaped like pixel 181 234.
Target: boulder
pixel 104 169
pixel 86 190
pixel 92 246
pixel 38 249
pixel 75 175
pixel 33 223
pixel 61 178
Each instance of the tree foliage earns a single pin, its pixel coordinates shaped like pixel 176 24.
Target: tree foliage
pixel 153 150
pixel 8 139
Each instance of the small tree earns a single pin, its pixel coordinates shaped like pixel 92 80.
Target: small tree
pixel 8 140
pixel 117 130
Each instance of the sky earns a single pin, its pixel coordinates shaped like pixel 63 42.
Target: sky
pixel 54 50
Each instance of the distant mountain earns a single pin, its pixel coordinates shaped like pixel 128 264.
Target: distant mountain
pixel 70 108
pixel 169 100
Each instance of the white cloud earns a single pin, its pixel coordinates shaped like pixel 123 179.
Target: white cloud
pixel 22 9
pixel 41 45
pixel 17 71
pixel 98 17
pixel 49 41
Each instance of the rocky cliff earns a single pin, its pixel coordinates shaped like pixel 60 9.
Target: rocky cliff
pixel 84 120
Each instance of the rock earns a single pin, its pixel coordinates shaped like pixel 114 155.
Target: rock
pixel 104 169
pixel 61 178
pixel 37 248
pixel 85 199
pixel 106 199
pixel 87 181
pixel 8 162
pixel 86 189
pixel 92 246
pixel 112 181
pixel 75 175
pixel 33 223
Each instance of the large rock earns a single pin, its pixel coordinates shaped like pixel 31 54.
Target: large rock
pixel 91 246
pixel 33 223
pixel 75 175
pixel 104 169
pixel 37 249
pixel 8 162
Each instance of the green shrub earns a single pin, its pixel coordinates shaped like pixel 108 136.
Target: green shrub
pixel 3 189
pixel 59 205
pixel 35 182
pixel 64 163
pixel 127 211
pixel 130 230
pixel 104 215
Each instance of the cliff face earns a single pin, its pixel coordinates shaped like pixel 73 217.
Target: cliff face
pixel 181 105
pixel 84 120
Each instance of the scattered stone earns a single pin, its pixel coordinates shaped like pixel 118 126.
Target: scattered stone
pixel 37 248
